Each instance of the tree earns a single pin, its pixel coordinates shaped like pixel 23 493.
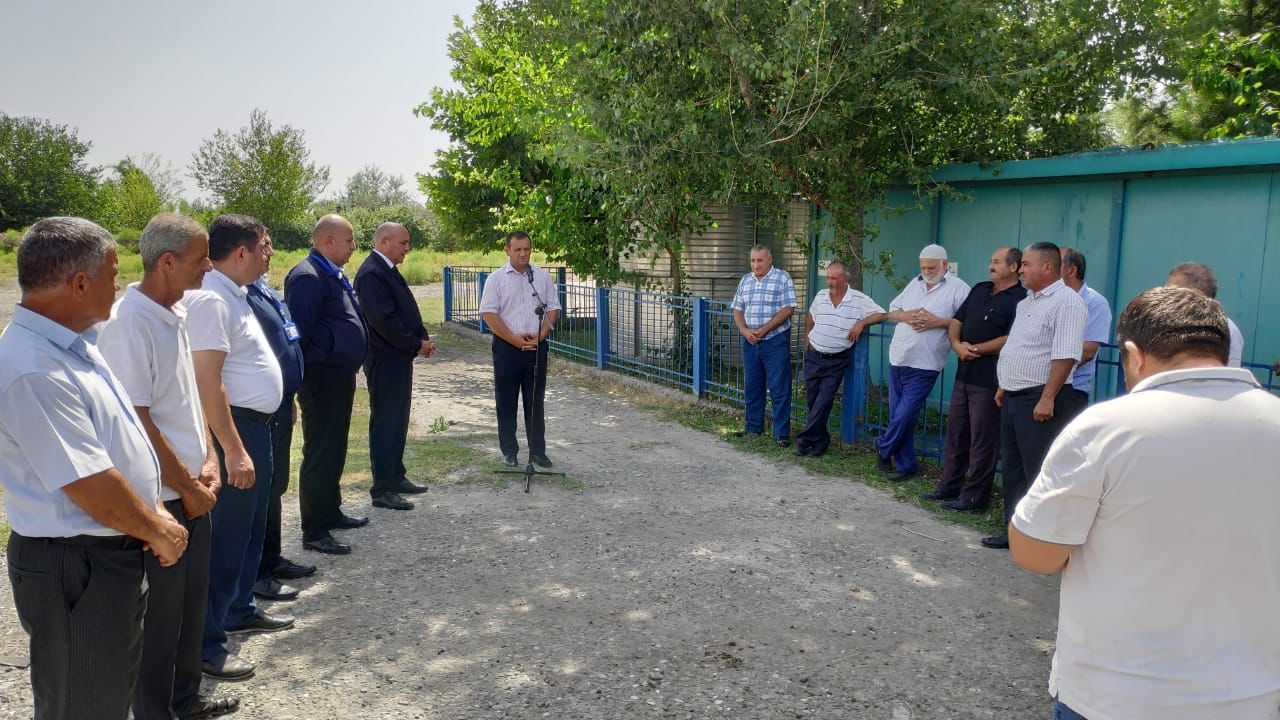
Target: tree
pixel 260 171
pixel 129 200
pixel 371 188
pixel 164 178
pixel 42 172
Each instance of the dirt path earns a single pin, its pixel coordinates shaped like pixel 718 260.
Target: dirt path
pixel 686 580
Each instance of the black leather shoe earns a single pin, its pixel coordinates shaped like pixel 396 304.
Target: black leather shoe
pixel 408 488
pixel 208 707
pixel 392 501
pixel 783 442
pixel 261 622
pixel 816 452
pixel 509 460
pixel 801 450
pixel 289 570
pixel 272 589
pixel 996 542
pixel 897 477
pixel 939 495
pixel 349 523
pixel 540 459
pixel 745 433
pixel 227 667
pixel 327 545
pixel 884 465
pixel 963 506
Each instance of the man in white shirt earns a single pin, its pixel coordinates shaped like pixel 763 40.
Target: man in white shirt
pixel 1198 276
pixel 145 343
pixel 241 386
pixel 837 316
pixel 918 352
pixel 1170 562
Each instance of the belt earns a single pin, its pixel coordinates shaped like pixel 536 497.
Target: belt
pixel 246 414
pixel 831 356
pixel 1039 389
pixel 105 542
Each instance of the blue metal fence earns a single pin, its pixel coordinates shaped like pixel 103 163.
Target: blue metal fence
pixel 692 343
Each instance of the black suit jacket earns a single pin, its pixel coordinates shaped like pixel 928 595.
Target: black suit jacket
pixel 334 335
pixel 395 323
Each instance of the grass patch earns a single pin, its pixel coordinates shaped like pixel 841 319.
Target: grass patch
pixel 858 462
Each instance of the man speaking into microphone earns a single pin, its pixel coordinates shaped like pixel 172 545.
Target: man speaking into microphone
pixel 520 305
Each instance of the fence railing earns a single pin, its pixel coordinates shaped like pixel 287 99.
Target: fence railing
pixel 692 343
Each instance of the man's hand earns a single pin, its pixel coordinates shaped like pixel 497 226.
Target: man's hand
pixel 967 351
pixel 528 341
pixel 855 332
pixel 171 541
pixel 240 471
pixel 427 349
pixel 293 410
pixel 921 319
pixel 208 476
pixel 1044 410
pixel 999 397
pixel 198 500
pixel 752 336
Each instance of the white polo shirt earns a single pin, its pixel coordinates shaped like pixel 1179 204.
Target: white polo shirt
pixel 831 324
pixel 146 346
pixel 219 318
pixel 1048 325
pixel 925 350
pixel 63 417
pixel 1168 606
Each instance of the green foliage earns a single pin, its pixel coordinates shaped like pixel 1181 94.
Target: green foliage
pixel 370 187
pixel 128 200
pixel 42 172
pixel 263 172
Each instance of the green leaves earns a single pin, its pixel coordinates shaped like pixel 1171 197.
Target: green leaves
pixel 42 172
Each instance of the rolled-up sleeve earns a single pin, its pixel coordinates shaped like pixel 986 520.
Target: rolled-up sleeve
pixel 45 415
pixel 1068 332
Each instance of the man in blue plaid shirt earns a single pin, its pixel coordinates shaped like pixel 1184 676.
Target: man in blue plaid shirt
pixel 762 310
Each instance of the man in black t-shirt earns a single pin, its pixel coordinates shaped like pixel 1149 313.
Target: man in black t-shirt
pixel 978 332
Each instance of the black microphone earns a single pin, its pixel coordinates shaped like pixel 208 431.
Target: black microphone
pixel 528 272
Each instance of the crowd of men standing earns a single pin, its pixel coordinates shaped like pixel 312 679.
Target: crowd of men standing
pixel 145 442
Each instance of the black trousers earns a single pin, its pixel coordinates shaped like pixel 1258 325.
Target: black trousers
pixel 325 397
pixel 281 442
pixel 1024 442
pixel 390 379
pixel 822 377
pixel 81 601
pixel 514 379
pixel 174 624
pixel 972 446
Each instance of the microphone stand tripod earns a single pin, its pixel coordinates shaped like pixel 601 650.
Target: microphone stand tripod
pixel 541 310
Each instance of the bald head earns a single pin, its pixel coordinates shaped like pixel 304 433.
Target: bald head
pixel 392 240
pixel 334 238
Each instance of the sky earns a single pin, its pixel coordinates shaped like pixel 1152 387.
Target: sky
pixel 145 76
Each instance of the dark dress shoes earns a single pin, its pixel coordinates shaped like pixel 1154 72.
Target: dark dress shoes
pixel 939 495
pixel 745 433
pixel 783 442
pixel 509 460
pixel 346 522
pixel 327 545
pixel 884 464
pixel 290 570
pixel 540 459
pixel 227 667
pixel 963 506
pixel 897 477
pixel 996 542
pixel 261 622
pixel 392 501
pixel 409 488
pixel 269 588
pixel 207 707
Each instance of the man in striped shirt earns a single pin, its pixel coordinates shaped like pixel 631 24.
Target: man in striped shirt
pixel 1035 366
pixel 762 310
pixel 837 317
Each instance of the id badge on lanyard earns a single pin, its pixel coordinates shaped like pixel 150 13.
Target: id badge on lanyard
pixel 291 332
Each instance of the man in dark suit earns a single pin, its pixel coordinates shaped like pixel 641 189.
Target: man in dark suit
pixel 286 342
pixel 334 341
pixel 396 337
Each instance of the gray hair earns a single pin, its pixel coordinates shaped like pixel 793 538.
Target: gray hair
pixel 55 249
pixel 761 248
pixel 843 267
pixel 167 233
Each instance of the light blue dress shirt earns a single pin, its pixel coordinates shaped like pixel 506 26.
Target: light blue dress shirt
pixel 1097 328
pixel 63 417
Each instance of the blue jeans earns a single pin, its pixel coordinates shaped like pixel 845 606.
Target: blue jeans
pixel 239 527
pixel 908 391
pixel 768 362
pixel 1062 712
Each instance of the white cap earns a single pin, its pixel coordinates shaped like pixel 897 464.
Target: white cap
pixel 933 252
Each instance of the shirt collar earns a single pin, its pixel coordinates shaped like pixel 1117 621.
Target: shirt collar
pixel 1169 377
pixel 218 277
pixel 772 269
pixel 1049 290
pixel 134 296
pixel 385 259
pixel 925 285
pixel 55 332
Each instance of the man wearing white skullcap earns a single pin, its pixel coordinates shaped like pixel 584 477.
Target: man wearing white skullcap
pixel 923 311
